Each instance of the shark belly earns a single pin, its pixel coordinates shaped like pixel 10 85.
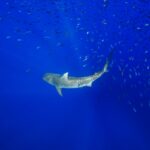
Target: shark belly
pixel 69 84
pixel 76 83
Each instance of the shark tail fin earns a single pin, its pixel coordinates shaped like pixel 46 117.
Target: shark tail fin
pixel 105 68
pixel 108 61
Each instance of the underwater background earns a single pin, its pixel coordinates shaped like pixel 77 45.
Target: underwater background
pixel 75 36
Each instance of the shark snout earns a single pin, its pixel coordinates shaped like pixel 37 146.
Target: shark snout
pixel 46 77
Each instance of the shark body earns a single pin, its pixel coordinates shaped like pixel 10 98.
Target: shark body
pixel 66 81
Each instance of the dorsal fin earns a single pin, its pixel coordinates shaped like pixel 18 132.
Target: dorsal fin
pixel 65 75
pixel 59 90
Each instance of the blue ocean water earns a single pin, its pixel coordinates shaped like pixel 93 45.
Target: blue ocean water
pixel 58 36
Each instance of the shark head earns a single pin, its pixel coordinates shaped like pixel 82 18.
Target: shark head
pixel 56 80
pixel 52 79
pixel 49 78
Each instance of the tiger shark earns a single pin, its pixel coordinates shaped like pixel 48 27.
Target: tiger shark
pixel 60 81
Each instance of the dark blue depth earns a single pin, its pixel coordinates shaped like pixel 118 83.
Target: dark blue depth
pixel 75 36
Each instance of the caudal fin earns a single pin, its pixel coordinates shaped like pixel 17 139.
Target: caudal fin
pixel 105 68
pixel 108 61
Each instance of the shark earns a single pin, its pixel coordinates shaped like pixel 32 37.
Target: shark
pixel 61 81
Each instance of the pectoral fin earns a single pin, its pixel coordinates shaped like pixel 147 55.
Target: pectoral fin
pixel 89 84
pixel 59 90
